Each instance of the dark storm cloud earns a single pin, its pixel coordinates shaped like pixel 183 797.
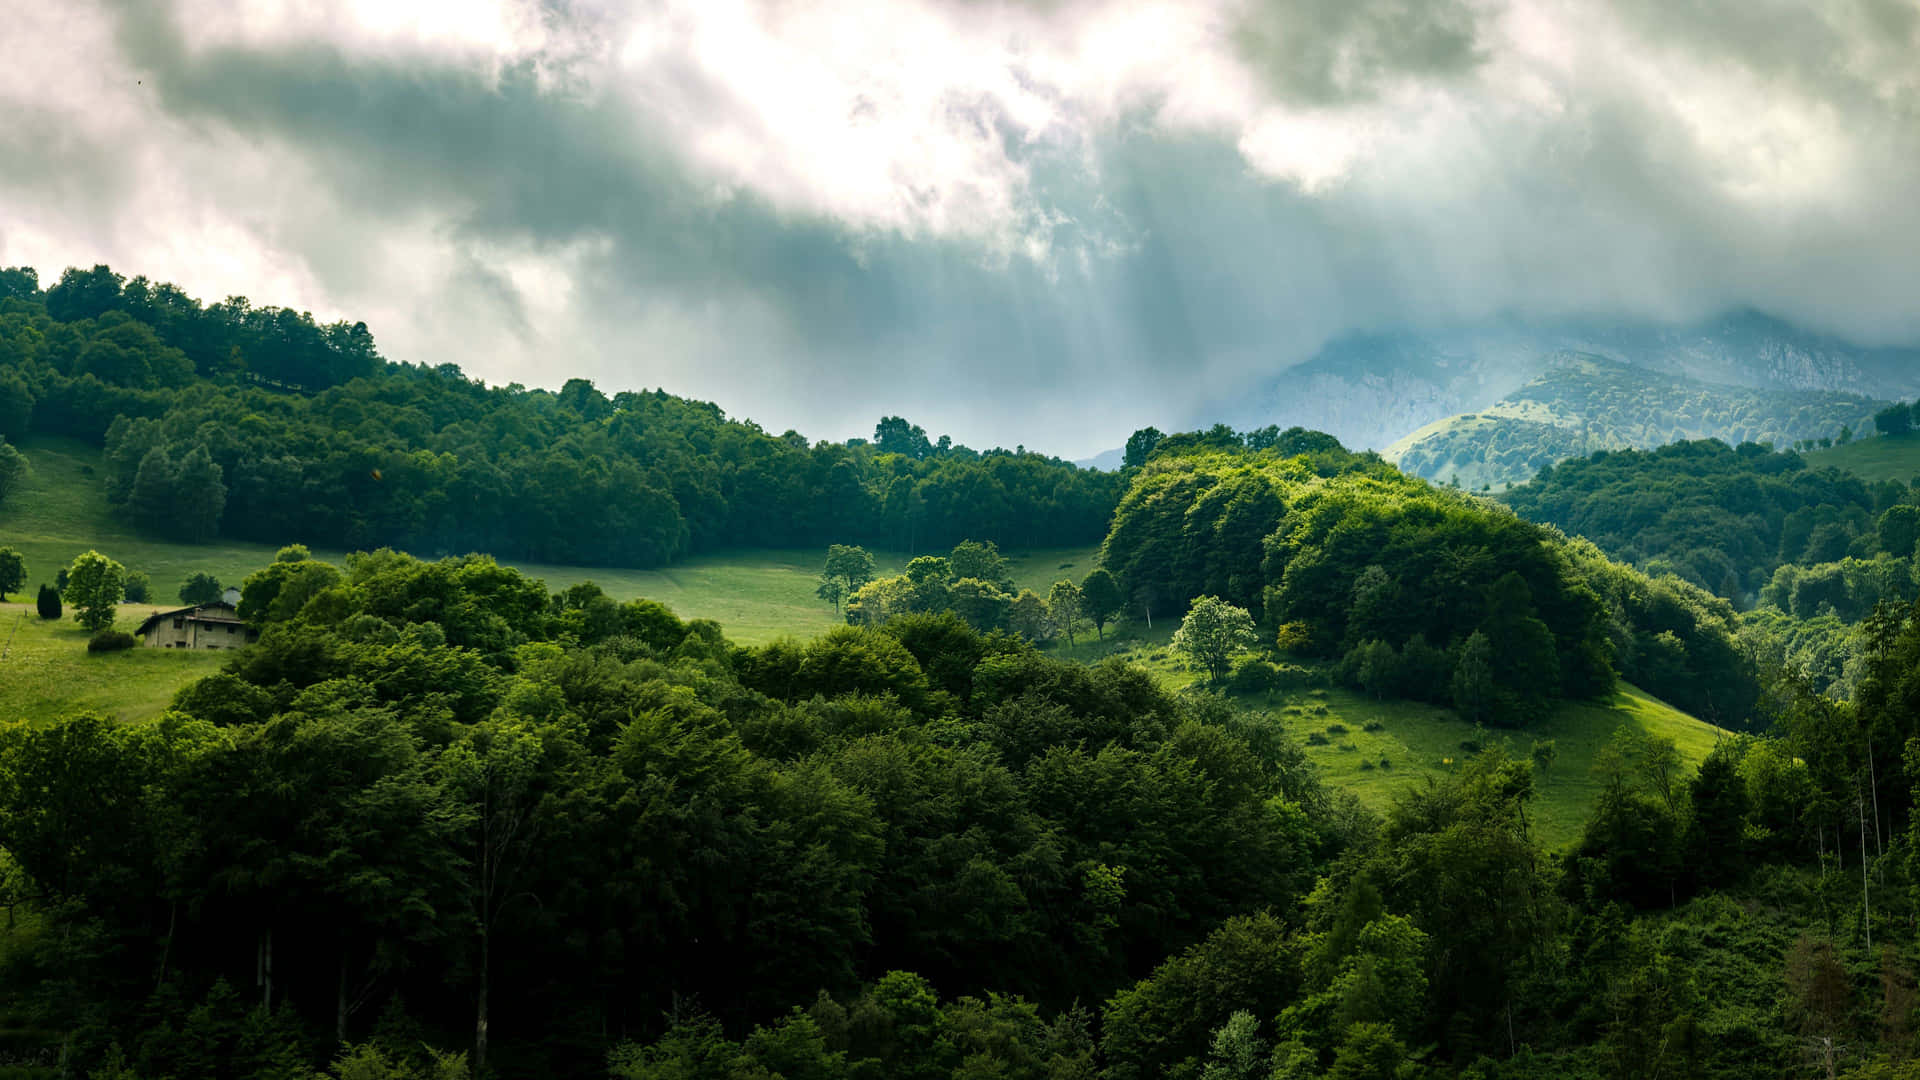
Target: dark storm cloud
pixel 1333 51
pixel 1053 256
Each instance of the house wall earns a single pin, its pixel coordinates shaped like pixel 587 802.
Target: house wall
pixel 194 634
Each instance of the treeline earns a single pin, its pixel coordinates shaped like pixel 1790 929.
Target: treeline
pixel 1725 518
pixel 1809 551
pixel 440 822
pixel 260 425
pixel 1341 556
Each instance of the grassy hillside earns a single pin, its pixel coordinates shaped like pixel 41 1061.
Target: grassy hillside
pixel 1878 458
pixel 1411 741
pixel 758 595
pixel 1586 403
pixel 47 672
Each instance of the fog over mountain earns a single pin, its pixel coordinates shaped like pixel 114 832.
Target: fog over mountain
pixel 1046 222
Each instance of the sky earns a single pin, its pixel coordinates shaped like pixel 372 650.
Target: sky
pixel 1044 223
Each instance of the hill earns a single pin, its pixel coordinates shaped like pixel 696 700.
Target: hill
pixel 1585 402
pixel 223 422
pixel 1383 749
pixel 1878 458
pixel 1370 390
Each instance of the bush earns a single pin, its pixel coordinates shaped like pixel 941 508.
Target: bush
pixel 1254 675
pixel 48 602
pixel 110 641
pixel 138 589
pixel 1316 739
pixel 1373 725
pixel 1336 729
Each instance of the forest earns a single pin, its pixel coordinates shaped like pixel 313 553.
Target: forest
pixel 439 822
pixel 1807 553
pixel 258 424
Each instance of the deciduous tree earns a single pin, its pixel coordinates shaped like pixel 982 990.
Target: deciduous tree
pixel 95 584
pixel 1212 633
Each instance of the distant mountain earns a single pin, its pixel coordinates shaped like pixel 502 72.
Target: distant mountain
pixel 1105 460
pixel 1585 402
pixel 1370 390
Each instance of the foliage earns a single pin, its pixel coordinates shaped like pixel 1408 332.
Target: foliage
pixel 13 470
pixel 13 571
pixel 94 587
pixel 47 603
pixel 1213 632
pixel 138 587
pixel 201 588
pixel 110 641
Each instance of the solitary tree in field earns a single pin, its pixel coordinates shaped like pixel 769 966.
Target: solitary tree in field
pixel 201 588
pixel 1100 600
pixel 1212 633
pixel 1064 601
pixel 94 587
pixel 848 567
pixel 13 572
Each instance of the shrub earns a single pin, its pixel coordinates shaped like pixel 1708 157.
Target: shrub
pixel 138 588
pixel 1316 739
pixel 1253 675
pixel 1386 763
pixel 48 602
pixel 1336 729
pixel 110 641
pixel 1373 725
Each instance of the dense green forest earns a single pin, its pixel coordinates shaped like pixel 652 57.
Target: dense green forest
pixel 440 821
pixel 1758 527
pixel 1586 403
pixel 259 424
pixel 1348 555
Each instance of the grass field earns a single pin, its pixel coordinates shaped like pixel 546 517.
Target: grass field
pixel 1878 458
pixel 757 595
pixel 47 672
pixel 1412 741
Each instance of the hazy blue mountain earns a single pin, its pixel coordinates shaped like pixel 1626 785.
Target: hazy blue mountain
pixel 1586 402
pixel 1371 390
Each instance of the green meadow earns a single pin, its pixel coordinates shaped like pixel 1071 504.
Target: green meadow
pixel 47 672
pixel 1378 749
pixel 1877 458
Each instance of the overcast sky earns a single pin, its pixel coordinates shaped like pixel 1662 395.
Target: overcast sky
pixel 1045 223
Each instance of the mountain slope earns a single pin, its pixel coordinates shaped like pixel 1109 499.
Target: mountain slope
pixel 1369 390
pixel 1585 402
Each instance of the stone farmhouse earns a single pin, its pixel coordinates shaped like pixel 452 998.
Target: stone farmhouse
pixel 207 626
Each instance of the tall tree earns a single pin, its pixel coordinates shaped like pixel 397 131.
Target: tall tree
pixel 13 572
pixel 1140 447
pixel 847 568
pixel 1064 601
pixel 1101 599
pixel 201 588
pixel 94 587
pixel 1213 632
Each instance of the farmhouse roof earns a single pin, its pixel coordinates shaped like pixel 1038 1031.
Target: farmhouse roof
pixel 217 612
